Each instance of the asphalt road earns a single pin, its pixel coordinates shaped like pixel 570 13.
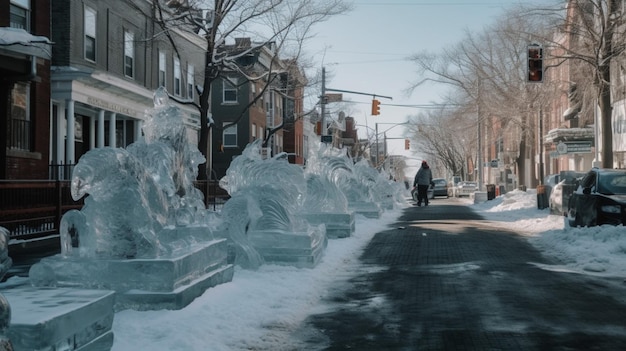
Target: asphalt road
pixel 442 279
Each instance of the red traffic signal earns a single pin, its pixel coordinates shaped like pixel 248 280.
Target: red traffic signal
pixel 375 107
pixel 535 63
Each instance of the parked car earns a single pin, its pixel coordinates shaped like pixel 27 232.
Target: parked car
pixel 560 193
pixel 466 188
pixel 555 201
pixel 550 182
pixel 440 188
pixel 600 198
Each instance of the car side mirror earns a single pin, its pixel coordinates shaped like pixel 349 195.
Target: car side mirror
pixel 586 191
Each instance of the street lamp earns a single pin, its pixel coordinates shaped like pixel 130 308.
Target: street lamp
pixel 385 131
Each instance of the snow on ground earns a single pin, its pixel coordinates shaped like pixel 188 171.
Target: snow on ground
pixel 597 250
pixel 258 309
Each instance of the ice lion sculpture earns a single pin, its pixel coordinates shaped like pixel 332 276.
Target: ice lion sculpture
pixel 143 231
pixel 324 169
pixel 134 194
pixel 262 215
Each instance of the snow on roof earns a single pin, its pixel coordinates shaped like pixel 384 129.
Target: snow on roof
pixel 568 134
pixel 20 41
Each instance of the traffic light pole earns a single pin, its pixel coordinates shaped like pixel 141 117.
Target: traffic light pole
pixel 323 99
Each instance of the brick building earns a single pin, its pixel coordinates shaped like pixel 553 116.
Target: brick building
pixel 108 59
pixel 24 89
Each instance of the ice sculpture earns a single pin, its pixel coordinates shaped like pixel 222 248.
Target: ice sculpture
pixel 5 260
pixel 382 189
pixel 358 191
pixel 52 319
pixel 143 230
pixel 262 217
pixel 325 203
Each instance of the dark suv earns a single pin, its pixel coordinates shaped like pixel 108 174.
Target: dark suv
pixel 599 199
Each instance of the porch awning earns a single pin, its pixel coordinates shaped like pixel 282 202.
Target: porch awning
pixel 19 41
pixel 569 134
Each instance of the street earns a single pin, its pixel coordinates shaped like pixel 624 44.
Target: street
pixel 444 279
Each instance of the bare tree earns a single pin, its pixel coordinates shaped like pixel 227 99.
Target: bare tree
pixel 441 136
pixel 594 32
pixel 486 75
pixel 283 24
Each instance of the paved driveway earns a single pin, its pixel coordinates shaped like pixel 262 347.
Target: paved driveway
pixel 441 279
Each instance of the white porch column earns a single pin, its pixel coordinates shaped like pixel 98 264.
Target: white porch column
pixel 92 133
pixel 112 118
pixel 100 128
pixel 69 142
pixel 60 136
pixel 138 125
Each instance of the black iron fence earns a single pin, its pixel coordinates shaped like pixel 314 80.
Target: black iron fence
pixel 60 171
pixel 32 209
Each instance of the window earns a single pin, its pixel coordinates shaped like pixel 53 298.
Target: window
pixel 253 129
pixel 19 14
pixel 19 129
pixel 129 53
pixel 230 136
pixel 90 34
pixel 230 91
pixel 177 81
pixel 162 69
pixel 190 81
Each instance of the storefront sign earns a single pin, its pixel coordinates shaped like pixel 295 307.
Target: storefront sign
pixel 574 147
pixel 111 107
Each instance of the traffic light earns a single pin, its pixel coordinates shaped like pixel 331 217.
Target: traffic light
pixel 375 107
pixel 535 63
pixel 407 144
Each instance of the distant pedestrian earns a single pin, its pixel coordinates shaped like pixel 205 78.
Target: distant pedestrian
pixel 423 180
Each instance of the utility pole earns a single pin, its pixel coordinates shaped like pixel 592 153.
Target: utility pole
pixel 480 144
pixel 323 102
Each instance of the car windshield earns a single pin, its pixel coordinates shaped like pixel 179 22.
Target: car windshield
pixel 612 183
pixel 439 181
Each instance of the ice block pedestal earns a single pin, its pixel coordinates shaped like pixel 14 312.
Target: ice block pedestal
pixel 367 209
pixel 60 318
pixel 338 225
pixel 300 249
pixel 170 282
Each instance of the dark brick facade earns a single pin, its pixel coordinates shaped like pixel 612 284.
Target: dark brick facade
pixel 33 163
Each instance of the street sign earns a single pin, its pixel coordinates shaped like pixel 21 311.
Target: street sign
pixel 327 138
pixel 333 98
pixel 574 147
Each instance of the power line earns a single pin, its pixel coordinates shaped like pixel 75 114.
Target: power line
pixel 432 105
pixel 499 3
